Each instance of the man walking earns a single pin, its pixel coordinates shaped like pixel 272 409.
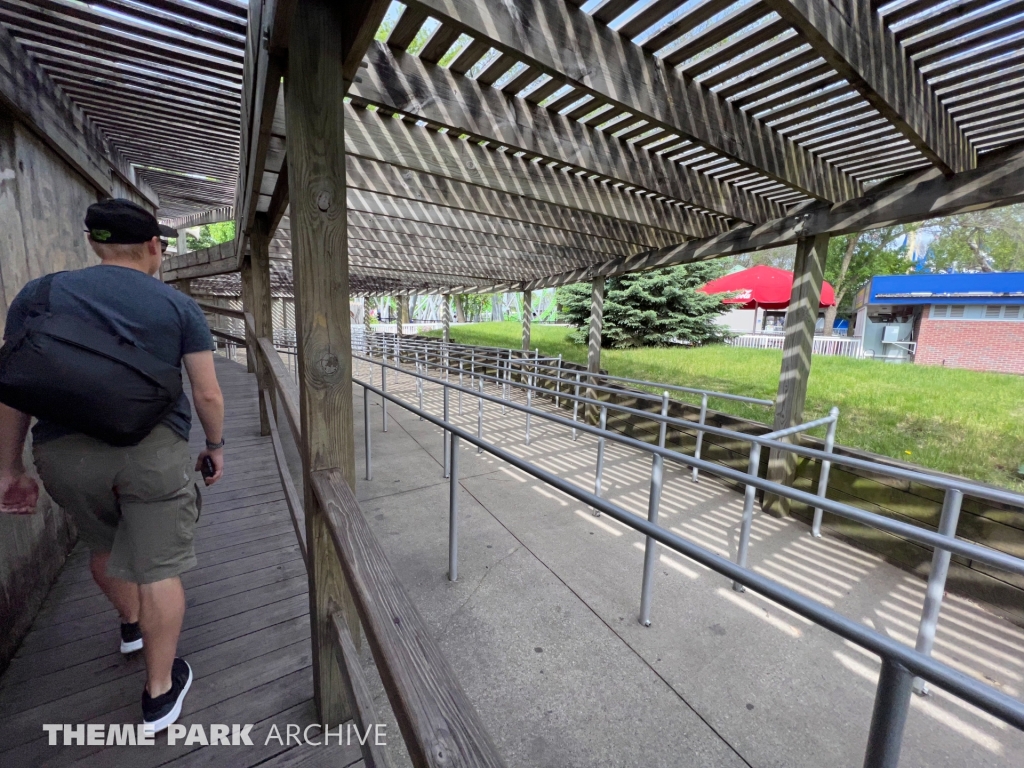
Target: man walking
pixel 135 506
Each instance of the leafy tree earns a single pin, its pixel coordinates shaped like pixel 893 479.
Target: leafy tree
pixel 648 309
pixel 853 259
pixel 980 241
pixel 211 235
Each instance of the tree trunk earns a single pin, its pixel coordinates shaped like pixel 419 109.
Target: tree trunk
pixel 460 313
pixel 840 286
pixel 974 241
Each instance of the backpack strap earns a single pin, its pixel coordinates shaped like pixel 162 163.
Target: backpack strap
pixel 41 304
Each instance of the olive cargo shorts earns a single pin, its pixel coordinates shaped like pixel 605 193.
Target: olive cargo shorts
pixel 140 502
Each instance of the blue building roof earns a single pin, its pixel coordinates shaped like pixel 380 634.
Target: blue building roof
pixel 977 288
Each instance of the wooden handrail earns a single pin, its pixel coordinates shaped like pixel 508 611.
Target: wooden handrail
pixel 226 311
pixel 358 692
pixel 440 726
pixel 286 388
pixel 291 493
pixel 228 336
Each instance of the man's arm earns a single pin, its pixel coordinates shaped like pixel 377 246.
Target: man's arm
pixel 209 404
pixel 18 492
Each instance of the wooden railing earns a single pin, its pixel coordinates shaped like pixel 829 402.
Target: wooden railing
pixel 439 724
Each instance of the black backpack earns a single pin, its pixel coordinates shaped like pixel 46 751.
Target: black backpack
pixel 63 370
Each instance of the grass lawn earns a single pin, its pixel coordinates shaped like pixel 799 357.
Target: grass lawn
pixel 963 422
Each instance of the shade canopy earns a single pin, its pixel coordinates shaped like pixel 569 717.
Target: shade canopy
pixel 763 286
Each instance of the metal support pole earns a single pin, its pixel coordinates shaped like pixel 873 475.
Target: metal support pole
pixel 529 404
pixel 558 381
pixel 748 512
pixel 653 502
pixel 420 371
pixel 889 716
pixel 826 466
pixel 366 431
pixel 384 400
pixel 446 437
pixel 453 510
pixel 480 415
pixel 700 432
pixel 460 387
pixel 937 581
pixel 600 456
pixel 576 405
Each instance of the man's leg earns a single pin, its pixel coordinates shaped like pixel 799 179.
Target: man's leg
pixel 160 617
pixel 123 594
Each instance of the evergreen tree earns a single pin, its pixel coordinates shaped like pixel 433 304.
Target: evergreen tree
pixel 650 309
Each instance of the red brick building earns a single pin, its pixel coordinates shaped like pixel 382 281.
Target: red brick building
pixel 973 321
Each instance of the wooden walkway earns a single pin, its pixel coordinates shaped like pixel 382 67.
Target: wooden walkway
pixel 246 631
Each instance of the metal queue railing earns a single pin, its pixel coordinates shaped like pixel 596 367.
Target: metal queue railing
pixel 899 663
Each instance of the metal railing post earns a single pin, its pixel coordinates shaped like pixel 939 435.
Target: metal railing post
pixel 420 370
pixel 748 512
pixel 599 471
pixel 700 432
pixel 446 437
pixel 366 431
pixel 460 386
pixel 453 510
pixel 826 467
pixel 529 404
pixel 384 389
pixel 576 405
pixel 653 502
pixel 480 414
pixel 889 716
pixel 951 504
pixel 558 381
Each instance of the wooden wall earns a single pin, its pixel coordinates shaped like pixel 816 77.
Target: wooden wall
pixel 42 208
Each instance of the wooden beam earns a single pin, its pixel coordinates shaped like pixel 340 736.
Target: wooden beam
pixel 914 196
pixel 278 201
pixel 801 316
pixel 212 216
pixel 316 170
pixel 527 317
pixel 216 260
pixel 27 92
pixel 856 42
pixel 445 98
pixel 403 144
pixel 572 47
pixel 259 241
pixel 594 343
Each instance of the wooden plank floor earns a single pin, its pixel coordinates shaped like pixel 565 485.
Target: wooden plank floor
pixel 246 631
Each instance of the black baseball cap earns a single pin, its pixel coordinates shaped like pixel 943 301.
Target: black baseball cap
pixel 119 221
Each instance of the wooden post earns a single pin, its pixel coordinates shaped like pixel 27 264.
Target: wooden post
pixel 314 121
pixel 527 316
pixel 247 301
pixel 594 342
pixel 182 242
pixel 259 247
pixel 367 328
pixel 446 317
pixel 801 317
pixel 185 286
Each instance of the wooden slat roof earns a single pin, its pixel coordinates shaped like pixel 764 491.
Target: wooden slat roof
pixel 161 79
pixel 508 144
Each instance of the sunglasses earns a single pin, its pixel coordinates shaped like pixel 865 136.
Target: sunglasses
pixel 163 245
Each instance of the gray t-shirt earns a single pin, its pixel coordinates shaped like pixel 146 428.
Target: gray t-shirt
pixel 164 322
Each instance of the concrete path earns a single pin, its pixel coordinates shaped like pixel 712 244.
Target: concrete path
pixel 542 624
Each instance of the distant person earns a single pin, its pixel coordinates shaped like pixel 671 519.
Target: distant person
pixel 135 505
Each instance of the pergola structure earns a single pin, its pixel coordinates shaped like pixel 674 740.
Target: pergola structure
pixel 456 146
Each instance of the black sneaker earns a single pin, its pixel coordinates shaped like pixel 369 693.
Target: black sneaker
pixel 159 712
pixel 131 637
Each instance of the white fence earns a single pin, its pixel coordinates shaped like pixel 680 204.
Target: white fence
pixel 839 346
pixel 409 329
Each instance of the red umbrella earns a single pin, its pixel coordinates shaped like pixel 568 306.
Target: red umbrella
pixel 764 287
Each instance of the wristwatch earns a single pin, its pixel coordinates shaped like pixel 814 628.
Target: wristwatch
pixel 214 446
